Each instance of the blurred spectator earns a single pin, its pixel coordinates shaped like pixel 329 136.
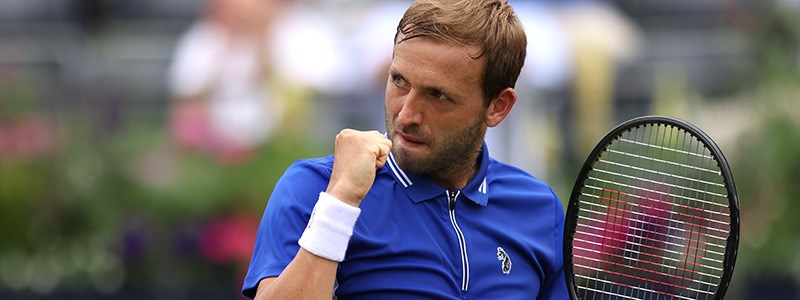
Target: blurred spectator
pixel 522 139
pixel 219 80
pixel 603 39
pixel 567 83
pixel 340 51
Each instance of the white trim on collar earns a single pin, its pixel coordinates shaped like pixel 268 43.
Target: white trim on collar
pixel 483 188
pixel 398 173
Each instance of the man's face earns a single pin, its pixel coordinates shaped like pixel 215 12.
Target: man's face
pixel 435 109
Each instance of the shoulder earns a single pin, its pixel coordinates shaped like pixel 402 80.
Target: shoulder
pixel 514 188
pixel 513 178
pixel 322 166
pixel 308 171
pixel 302 181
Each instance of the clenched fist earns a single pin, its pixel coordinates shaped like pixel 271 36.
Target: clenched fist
pixel 356 157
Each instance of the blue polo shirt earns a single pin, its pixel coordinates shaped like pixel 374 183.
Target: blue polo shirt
pixel 497 238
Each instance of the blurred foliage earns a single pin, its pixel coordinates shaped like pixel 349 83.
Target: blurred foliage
pixel 767 173
pixel 766 163
pixel 766 169
pixel 109 210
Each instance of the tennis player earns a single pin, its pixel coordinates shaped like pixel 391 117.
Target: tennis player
pixel 422 211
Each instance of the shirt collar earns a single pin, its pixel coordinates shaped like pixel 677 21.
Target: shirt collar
pixel 421 188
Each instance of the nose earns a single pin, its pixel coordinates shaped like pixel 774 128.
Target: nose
pixel 411 111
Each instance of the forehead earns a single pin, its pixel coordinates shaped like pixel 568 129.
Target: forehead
pixel 439 64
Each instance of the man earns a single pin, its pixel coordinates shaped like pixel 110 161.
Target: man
pixel 424 213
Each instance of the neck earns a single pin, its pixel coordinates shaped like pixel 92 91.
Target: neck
pixel 456 176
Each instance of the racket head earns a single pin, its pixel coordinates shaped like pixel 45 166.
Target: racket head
pixel 654 237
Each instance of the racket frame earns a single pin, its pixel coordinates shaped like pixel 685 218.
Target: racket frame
pixel 573 208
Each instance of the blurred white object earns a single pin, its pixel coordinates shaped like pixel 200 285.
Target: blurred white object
pixel 601 25
pixel 548 63
pixel 306 50
pixel 208 62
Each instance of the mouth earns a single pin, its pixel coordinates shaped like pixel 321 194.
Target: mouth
pixel 409 141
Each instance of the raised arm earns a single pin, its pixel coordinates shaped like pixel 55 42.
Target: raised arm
pixel 311 273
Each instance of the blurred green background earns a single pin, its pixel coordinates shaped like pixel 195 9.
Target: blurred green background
pixel 124 176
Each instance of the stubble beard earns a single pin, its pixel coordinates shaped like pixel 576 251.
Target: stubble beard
pixel 449 156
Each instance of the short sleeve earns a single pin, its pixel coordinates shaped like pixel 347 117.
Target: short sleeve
pixel 284 220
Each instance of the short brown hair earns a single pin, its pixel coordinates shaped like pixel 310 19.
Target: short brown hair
pixel 490 24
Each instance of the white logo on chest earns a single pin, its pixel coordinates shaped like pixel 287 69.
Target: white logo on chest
pixel 506 261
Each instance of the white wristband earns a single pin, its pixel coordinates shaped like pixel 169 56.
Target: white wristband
pixel 329 228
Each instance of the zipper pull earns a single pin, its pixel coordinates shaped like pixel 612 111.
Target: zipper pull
pixel 452 196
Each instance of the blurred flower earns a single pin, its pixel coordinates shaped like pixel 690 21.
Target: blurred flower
pixel 229 238
pixel 27 137
pixel 189 125
pixel 136 237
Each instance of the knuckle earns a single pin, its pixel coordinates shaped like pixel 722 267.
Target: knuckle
pixel 345 134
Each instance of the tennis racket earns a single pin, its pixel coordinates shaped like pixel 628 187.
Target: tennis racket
pixel 653 215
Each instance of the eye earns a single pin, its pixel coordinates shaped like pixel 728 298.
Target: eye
pixel 398 80
pixel 440 96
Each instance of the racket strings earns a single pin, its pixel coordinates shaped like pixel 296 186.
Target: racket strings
pixel 653 219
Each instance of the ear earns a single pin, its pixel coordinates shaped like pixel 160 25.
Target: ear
pixel 500 107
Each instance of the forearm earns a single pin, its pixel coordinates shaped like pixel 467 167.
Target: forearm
pixel 307 277
pixel 312 271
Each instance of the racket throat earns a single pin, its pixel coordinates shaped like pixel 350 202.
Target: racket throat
pixel 452 196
